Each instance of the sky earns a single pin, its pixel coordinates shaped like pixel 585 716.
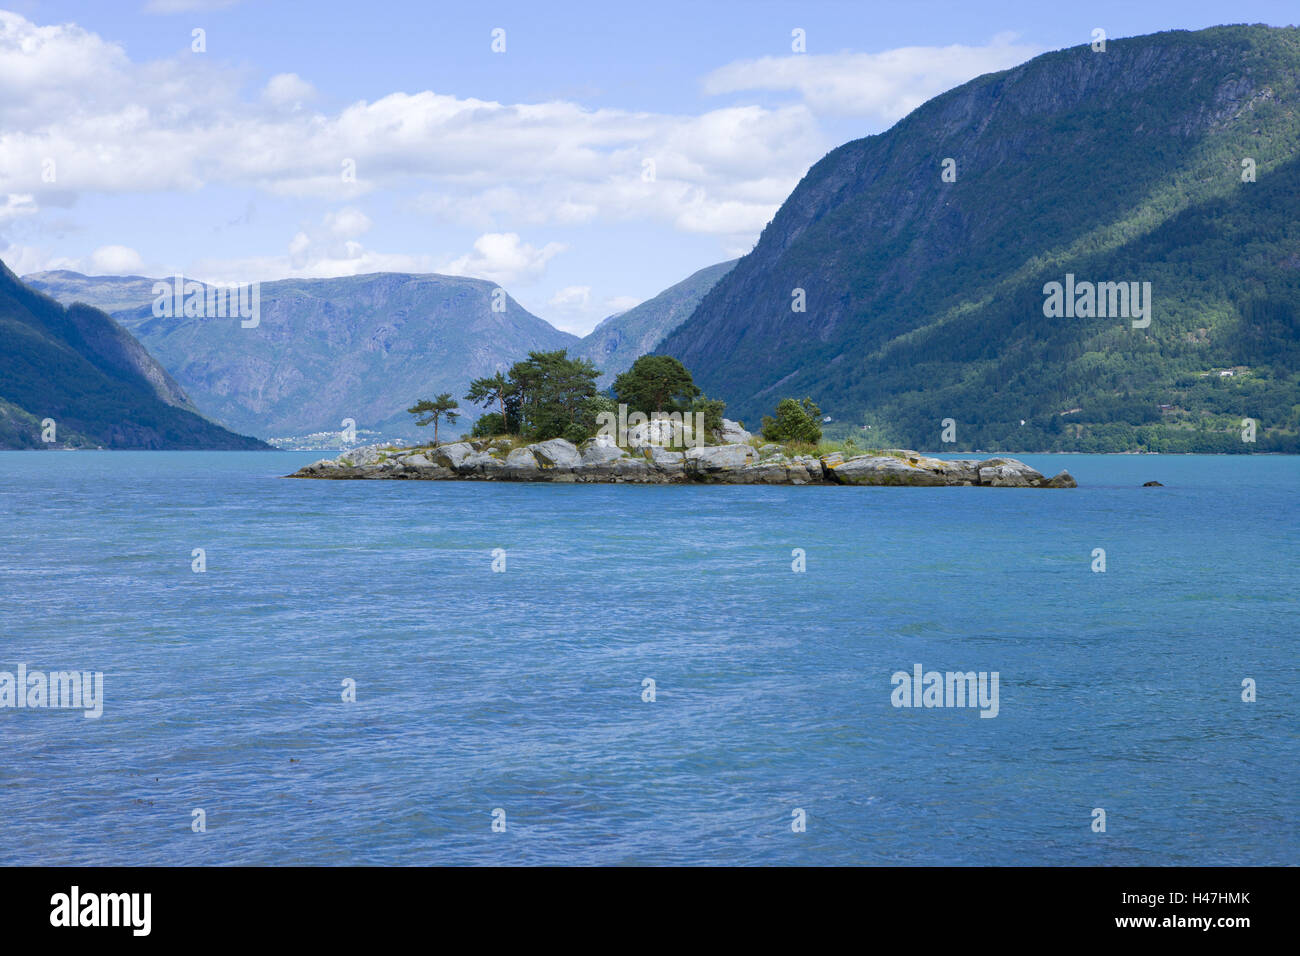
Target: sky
pixel 584 156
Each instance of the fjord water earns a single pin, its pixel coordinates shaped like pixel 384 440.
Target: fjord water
pixel 522 690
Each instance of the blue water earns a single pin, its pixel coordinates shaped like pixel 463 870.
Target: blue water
pixel 522 690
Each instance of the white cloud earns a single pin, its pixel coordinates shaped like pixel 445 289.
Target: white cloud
pixel 572 298
pixel 24 260
pixel 116 260
pixel 884 86
pixel 186 6
pixel 325 250
pixel 504 259
pixel 113 126
pixel 348 223
pixel 16 206
pixel 621 303
pixel 288 89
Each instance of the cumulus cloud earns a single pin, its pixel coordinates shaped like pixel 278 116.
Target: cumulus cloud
pixel 572 298
pixel 113 126
pixel 77 115
pixel 288 89
pixel 23 260
pixel 320 250
pixel 883 86
pixel 116 260
pixel 15 206
pixel 505 259
pixel 347 223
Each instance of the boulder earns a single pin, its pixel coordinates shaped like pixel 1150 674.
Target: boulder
pixel 1145 484
pixel 882 470
pixel 556 453
pixel 731 433
pixel 521 463
pixel 771 473
pixel 1062 480
pixel 362 456
pixel 1009 473
pixel 768 450
pixel 661 432
pixel 451 456
pixel 595 453
pixel 480 463
pixel 712 461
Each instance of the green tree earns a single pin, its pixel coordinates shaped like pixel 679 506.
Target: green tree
pixel 430 411
pixel 550 392
pixel 493 423
pixel 712 409
pixel 795 421
pixel 493 390
pixel 656 383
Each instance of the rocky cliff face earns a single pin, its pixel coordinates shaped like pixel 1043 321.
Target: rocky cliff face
pixel 923 296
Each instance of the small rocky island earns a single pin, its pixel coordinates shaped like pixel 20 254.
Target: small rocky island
pixel 736 461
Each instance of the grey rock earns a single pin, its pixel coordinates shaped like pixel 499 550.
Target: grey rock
pixel 882 470
pixel 521 463
pixel 714 461
pixel 659 431
pixel 595 453
pixel 1009 473
pixel 732 433
pixel 451 456
pixel 665 458
pixel 556 453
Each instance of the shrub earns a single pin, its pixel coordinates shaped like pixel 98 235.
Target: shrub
pixel 493 423
pixel 795 421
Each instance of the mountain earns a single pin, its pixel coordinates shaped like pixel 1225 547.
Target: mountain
pixel 362 347
pixel 925 299
pixel 112 294
pixel 621 339
pixel 101 388
pixel 324 350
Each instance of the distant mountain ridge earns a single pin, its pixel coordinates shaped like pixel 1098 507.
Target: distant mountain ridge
pixel 324 350
pixel 78 369
pixel 924 297
pixel 361 347
pixel 621 339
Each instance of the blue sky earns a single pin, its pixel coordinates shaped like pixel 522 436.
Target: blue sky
pixel 124 150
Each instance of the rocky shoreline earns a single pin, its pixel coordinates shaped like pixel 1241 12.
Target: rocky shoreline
pixel 736 463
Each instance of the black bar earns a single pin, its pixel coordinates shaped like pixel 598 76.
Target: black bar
pixel 334 905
